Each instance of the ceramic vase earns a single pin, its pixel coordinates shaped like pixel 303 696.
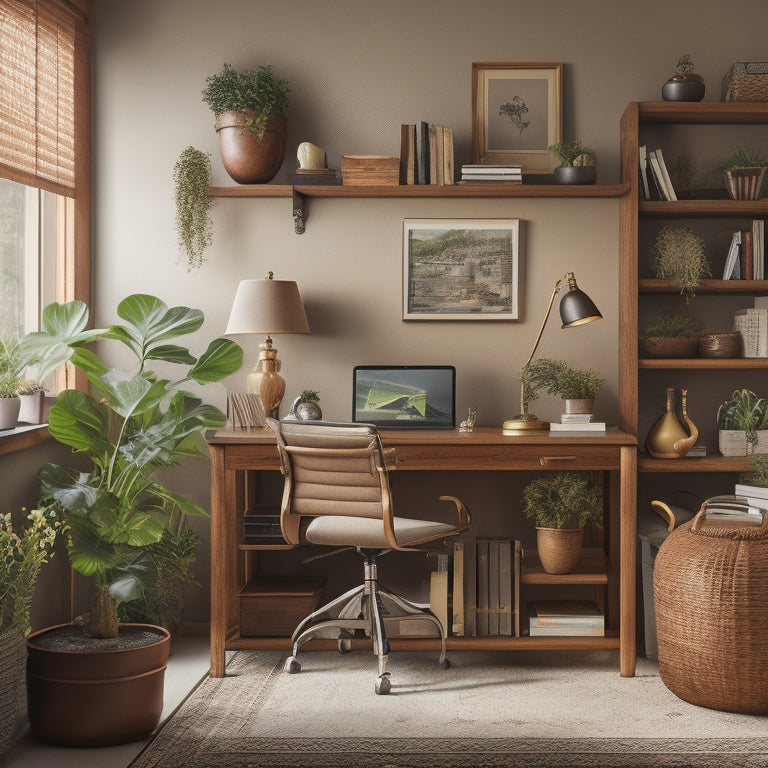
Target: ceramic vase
pixel 672 436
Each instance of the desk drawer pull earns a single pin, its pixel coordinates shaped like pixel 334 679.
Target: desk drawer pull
pixel 544 460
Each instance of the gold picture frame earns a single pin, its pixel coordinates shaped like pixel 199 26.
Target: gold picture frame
pixel 516 114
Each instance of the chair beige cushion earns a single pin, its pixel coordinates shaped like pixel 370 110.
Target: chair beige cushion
pixel 369 533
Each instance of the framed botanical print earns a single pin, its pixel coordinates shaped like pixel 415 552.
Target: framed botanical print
pixel 516 114
pixel 461 269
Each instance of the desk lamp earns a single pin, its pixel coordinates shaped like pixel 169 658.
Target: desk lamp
pixel 576 308
pixel 268 307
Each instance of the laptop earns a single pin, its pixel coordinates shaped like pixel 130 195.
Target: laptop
pixel 405 396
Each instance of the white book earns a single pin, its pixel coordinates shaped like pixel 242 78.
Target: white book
pixel 575 418
pixel 665 175
pixel 565 613
pixel 567 632
pixel 592 426
pixel 658 175
pixel 730 271
pixel 644 171
pixel 751 490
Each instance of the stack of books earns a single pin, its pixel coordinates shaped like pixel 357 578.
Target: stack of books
pixel 486 586
pixel 499 174
pixel 563 618
pixel 654 176
pixel 576 422
pixel 746 254
pixel 426 154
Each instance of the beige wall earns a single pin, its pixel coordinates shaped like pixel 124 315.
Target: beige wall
pixel 358 70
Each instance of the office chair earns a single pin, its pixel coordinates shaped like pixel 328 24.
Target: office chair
pixel 336 494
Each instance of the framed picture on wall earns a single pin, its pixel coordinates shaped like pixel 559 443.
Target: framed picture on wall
pixel 462 269
pixel 516 114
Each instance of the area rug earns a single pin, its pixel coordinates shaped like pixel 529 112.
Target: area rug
pixel 517 710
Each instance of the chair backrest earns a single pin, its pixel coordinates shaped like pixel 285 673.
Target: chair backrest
pixel 331 469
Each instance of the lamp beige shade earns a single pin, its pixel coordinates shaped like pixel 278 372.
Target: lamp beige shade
pixel 267 306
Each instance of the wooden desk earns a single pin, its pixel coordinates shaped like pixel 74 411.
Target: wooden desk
pixel 233 452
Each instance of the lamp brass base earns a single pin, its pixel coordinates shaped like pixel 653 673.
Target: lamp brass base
pixel 523 426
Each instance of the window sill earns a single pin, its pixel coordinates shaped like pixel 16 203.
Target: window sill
pixel 23 436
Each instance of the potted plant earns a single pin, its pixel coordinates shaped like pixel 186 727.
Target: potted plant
pixel 306 406
pixel 135 424
pixel 22 554
pixel 740 420
pixel 683 84
pixel 577 386
pixel 11 371
pixel 192 178
pixel 561 504
pixel 678 256
pixel 251 110
pixel 578 164
pixel 671 335
pixel 744 173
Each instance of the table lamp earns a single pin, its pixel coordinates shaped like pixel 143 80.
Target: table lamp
pixel 576 308
pixel 268 307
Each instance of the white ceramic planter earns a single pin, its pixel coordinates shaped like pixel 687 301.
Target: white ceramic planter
pixel 733 442
pixel 9 412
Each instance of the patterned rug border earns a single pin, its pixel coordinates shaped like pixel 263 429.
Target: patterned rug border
pixel 186 740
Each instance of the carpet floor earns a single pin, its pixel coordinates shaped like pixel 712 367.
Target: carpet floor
pixel 517 710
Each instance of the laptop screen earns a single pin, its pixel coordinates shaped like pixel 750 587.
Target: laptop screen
pixel 405 396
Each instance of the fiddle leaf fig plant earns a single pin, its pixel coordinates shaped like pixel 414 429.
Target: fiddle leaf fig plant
pixel 135 422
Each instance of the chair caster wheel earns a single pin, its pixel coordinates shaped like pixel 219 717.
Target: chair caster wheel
pixel 383 686
pixel 345 645
pixel 445 664
pixel 292 665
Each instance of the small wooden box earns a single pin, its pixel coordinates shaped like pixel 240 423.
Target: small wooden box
pixel 272 606
pixel 370 170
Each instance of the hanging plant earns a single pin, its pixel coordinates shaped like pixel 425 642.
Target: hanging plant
pixel 678 256
pixel 192 178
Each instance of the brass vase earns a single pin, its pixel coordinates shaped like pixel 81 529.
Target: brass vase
pixel 672 436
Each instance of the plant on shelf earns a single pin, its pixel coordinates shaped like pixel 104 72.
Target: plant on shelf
pixel 11 378
pixel 135 423
pixel 250 110
pixel 678 256
pixel 745 158
pixel 744 173
pixel 670 335
pixel 578 164
pixel 684 84
pixel 192 178
pixel 757 476
pixel 745 414
pixel 560 504
pixel 306 406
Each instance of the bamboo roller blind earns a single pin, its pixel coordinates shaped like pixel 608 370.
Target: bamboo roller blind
pixel 39 41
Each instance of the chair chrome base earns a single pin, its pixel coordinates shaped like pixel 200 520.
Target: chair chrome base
pixel 367 607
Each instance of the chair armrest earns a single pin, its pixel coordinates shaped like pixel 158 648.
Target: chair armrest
pixel 464 516
pixel 390 460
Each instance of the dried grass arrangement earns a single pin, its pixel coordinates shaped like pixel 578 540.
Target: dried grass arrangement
pixel 678 256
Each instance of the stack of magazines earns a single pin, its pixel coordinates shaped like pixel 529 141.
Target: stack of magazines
pixel 507 174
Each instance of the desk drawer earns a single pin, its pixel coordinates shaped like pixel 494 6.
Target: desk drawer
pixel 507 457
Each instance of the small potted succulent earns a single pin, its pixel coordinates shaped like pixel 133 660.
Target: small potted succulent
pixel 578 164
pixel 744 173
pixel 251 110
pixel 683 84
pixel 561 504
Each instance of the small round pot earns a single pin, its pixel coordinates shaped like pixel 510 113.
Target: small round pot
pixel 559 548
pixel 683 90
pixel 579 405
pixel 247 158
pixel 576 174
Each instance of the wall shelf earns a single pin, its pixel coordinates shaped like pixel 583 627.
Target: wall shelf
pixel 300 193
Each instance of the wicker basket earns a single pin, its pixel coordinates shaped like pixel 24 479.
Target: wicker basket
pixel 746 81
pixel 717 345
pixel 711 600
pixel 13 663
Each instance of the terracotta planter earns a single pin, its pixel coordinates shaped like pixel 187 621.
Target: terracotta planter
pixel 99 697
pixel 247 158
pixel 559 548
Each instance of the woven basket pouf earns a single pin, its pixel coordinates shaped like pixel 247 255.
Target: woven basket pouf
pixel 710 590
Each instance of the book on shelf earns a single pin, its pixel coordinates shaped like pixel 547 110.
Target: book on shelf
pixel 408 153
pixel 661 175
pixel 433 153
pixel 754 491
pixel 591 426
pixel 512 174
pixel 733 511
pixel 464 587
pixel 565 617
pixel 643 155
pixel 575 418
pixel 732 268
pixel 698 451
pixel 745 259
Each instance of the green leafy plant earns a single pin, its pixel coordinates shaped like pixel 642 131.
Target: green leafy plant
pixel 743 411
pixel 745 157
pixel 309 396
pixel 671 325
pixel 573 153
pixel 12 366
pixel 261 92
pixel 192 178
pixel 563 500
pixel 134 424
pixel 758 474
pixel 22 555
pixel 678 256
pixel 561 379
